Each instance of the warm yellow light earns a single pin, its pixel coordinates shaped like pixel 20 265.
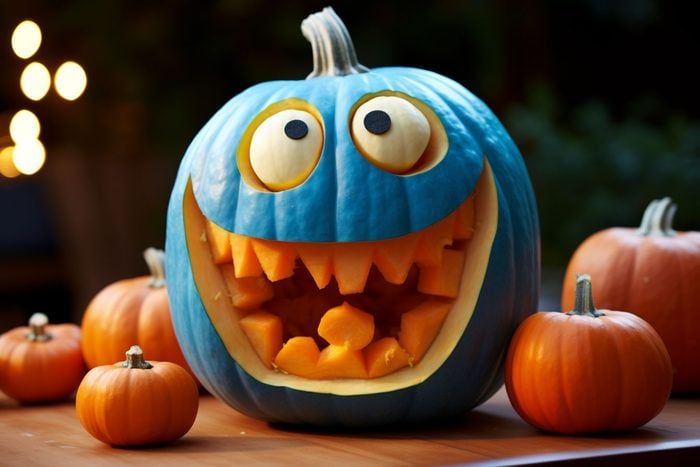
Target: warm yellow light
pixel 7 166
pixel 70 80
pixel 29 156
pixel 35 81
pixel 23 126
pixel 26 39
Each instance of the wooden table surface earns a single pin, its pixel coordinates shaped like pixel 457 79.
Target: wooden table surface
pixel 490 435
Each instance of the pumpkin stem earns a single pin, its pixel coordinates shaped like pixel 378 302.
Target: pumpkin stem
pixel 155 259
pixel 334 53
pixel 134 359
pixel 583 298
pixel 658 219
pixel 37 328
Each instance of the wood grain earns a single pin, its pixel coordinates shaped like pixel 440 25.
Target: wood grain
pixel 490 435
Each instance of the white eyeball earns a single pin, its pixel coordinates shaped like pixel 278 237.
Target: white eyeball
pixel 390 132
pixel 285 148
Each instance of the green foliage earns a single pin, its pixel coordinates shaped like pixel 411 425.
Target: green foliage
pixel 592 170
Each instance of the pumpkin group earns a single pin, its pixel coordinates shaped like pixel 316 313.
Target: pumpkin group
pixel 137 402
pixel 587 370
pixel 41 362
pixel 654 272
pixel 349 248
pixel 129 311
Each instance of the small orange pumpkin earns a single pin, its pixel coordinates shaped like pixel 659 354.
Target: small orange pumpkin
pixel 42 362
pixel 128 311
pixel 135 402
pixel 587 370
pixel 654 272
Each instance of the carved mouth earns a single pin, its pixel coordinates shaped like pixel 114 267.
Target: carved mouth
pixel 343 311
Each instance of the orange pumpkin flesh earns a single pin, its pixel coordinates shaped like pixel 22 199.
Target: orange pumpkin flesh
pixel 41 362
pixel 587 370
pixel 220 244
pixel 343 310
pixel 299 356
pixel 264 330
pixel 136 402
pixel 385 356
pixel 347 326
pixel 128 311
pixel 654 273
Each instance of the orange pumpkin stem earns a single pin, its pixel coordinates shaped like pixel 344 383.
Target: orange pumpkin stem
pixel 583 298
pixel 155 259
pixel 135 360
pixel 37 328
pixel 658 219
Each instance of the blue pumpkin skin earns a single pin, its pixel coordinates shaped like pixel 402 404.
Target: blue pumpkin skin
pixel 348 199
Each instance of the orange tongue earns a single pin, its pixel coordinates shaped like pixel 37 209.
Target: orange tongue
pixel 347 326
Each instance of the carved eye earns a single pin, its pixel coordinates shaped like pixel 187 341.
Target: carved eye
pixel 285 148
pixel 390 132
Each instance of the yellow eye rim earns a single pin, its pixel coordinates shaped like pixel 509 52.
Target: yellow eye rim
pixel 437 144
pixel 243 152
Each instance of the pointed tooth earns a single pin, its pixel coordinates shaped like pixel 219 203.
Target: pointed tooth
pixel 395 257
pixel 219 243
pixel 464 220
pixel 385 356
pixel 264 331
pixel 351 264
pixel 245 262
pixel 443 280
pixel 276 258
pixel 318 259
pixel 299 356
pixel 432 242
pixel 246 293
pixel 340 362
pixel 420 327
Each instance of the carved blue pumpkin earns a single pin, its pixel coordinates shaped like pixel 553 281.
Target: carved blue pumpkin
pixel 337 181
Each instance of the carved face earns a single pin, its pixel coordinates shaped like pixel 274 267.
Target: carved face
pixel 351 242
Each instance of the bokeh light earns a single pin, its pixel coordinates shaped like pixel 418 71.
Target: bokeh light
pixel 26 39
pixel 7 165
pixel 70 80
pixel 24 126
pixel 29 156
pixel 35 81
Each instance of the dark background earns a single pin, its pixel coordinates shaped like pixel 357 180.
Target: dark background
pixel 601 97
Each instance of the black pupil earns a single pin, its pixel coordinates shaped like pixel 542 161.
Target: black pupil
pixel 296 129
pixel 377 122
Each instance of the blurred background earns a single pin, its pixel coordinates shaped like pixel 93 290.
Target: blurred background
pixel 601 97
